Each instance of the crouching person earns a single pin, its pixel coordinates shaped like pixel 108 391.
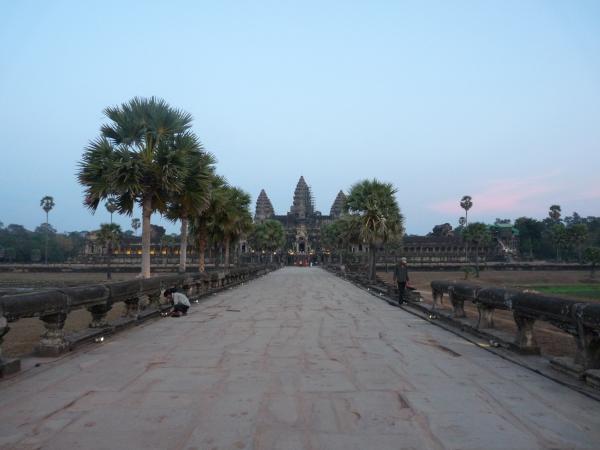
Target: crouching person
pixel 179 301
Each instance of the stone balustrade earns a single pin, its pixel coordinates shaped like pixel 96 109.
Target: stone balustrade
pixel 580 319
pixel 142 298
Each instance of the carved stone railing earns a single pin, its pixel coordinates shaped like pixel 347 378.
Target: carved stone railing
pixel 142 298
pixel 580 319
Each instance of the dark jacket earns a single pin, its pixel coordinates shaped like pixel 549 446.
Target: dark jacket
pixel 401 273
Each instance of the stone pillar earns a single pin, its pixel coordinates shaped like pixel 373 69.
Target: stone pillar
pixel 588 348
pixel 132 307
pixel 7 366
pixel 525 340
pixel 458 306
pixel 437 297
pixel 53 341
pixel 98 313
pixel 486 316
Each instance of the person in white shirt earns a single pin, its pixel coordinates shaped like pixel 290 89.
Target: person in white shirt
pixel 179 301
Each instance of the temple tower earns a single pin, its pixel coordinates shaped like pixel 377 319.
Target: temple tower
pixel 338 205
pixel 264 207
pixel 303 202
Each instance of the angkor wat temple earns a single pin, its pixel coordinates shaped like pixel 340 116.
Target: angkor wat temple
pixel 302 223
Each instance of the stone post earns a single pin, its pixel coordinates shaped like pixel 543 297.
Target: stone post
pixel 525 340
pixel 132 306
pixel 437 297
pixel 99 313
pixel 7 366
pixel 458 306
pixel 154 300
pixel 588 348
pixel 53 341
pixel 486 316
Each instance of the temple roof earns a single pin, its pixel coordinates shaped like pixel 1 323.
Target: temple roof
pixel 264 207
pixel 303 202
pixel 338 205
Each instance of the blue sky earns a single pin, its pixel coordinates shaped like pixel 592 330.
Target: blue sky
pixel 499 100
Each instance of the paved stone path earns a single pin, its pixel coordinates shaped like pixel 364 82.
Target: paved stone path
pixel 298 359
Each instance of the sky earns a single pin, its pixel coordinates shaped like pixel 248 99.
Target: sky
pixel 499 100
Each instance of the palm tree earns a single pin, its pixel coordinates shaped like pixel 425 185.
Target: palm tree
pixel 47 203
pixel 380 219
pixel 111 207
pixel 466 203
pixel 232 220
pixel 592 255
pixel 558 235
pixel 194 199
pixel 339 234
pixel 554 213
pixel 135 224
pixel 477 234
pixel 200 223
pixel 578 235
pixel 268 236
pixel 108 236
pixel 136 160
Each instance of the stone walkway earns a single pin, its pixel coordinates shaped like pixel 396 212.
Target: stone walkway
pixel 298 359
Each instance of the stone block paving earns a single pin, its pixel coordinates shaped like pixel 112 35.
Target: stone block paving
pixel 298 359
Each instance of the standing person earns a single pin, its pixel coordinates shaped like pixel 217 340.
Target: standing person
pixel 179 301
pixel 401 278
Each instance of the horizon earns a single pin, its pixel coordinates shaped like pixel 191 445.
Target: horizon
pixel 496 101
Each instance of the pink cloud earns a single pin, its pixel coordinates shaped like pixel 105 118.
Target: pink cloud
pixel 505 196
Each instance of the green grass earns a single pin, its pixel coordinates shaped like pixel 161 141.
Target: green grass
pixel 579 290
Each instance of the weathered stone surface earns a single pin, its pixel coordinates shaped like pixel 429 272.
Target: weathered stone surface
pixel 297 359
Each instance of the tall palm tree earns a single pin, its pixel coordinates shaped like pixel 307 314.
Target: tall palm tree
pixel 47 203
pixel 108 236
pixel 136 160
pixel 554 213
pixel 232 220
pixel 135 224
pixel 200 223
pixel 111 206
pixel 466 203
pixel 194 199
pixel 374 203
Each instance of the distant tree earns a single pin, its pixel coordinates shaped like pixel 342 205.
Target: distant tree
pixel 109 236
pixel 442 230
pixel 47 203
pixel 111 206
pixel 339 234
pixel 530 235
pixel 554 213
pixel 592 256
pixel 45 228
pixel 558 234
pixel 477 234
pixel 268 236
pixel 374 204
pixel 466 203
pixel 135 224
pixel 499 221
pixel 577 235
pixel 462 221
pixel 156 233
